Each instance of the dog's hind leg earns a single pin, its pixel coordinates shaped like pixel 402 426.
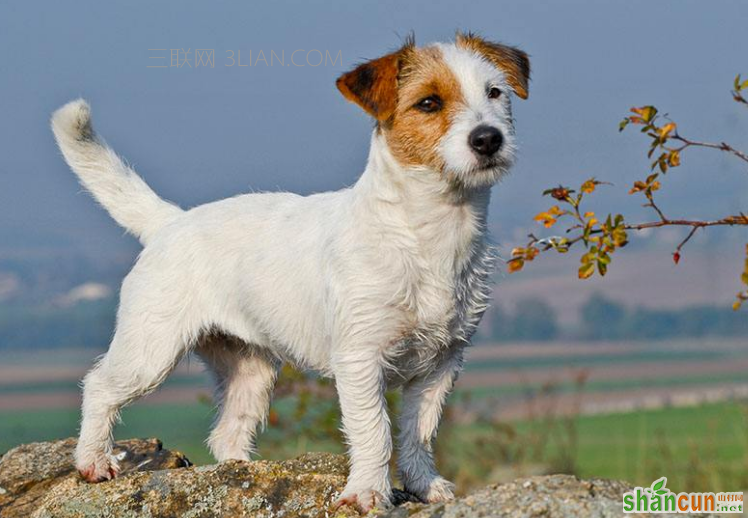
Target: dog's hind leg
pixel 140 357
pixel 245 378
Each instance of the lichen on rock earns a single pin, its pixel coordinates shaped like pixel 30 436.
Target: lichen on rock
pixel 38 481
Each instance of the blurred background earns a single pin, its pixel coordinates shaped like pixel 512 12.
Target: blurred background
pixel 637 375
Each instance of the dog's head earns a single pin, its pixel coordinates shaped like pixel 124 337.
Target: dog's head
pixel 445 108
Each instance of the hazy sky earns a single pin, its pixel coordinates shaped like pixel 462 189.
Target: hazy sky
pixel 198 134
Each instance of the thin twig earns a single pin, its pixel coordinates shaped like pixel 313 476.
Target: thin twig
pixel 722 146
pixel 739 98
pixel 741 220
pixel 656 208
pixel 689 236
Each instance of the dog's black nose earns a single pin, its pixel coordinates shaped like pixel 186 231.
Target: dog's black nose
pixel 485 140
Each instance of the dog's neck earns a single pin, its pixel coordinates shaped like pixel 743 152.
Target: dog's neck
pixel 436 212
pixel 436 239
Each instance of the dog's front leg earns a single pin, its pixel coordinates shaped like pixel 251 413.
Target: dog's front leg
pixel 423 399
pixel 359 378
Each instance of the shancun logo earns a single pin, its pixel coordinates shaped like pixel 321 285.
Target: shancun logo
pixel 658 498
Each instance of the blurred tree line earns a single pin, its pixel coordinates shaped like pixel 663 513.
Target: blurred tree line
pixel 85 324
pixel 602 318
pixel 531 319
pixel 91 323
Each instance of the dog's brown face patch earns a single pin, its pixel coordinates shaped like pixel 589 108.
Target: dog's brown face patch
pixel 427 102
pixel 429 96
pixel 514 62
pixel 373 85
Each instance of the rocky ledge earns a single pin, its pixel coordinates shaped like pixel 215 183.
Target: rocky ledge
pixel 37 480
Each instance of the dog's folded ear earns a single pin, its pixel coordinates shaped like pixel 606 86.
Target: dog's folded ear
pixel 512 61
pixel 373 85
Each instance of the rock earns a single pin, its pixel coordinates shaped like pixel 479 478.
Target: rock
pixel 30 473
pixel 38 481
pixel 549 496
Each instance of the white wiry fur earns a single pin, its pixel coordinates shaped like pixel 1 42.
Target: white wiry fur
pixel 378 285
pixel 123 193
pixel 475 76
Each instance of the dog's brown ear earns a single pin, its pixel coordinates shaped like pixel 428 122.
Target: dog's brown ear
pixel 514 62
pixel 373 85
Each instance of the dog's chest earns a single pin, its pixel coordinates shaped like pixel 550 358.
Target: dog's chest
pixel 446 311
pixel 449 281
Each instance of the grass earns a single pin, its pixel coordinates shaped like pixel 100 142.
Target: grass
pixel 181 426
pixel 706 446
pixel 591 360
pixel 596 386
pixel 679 443
pixel 200 380
pixel 40 387
pixel 701 448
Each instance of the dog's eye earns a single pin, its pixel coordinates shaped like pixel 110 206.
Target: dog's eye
pixel 429 104
pixel 494 93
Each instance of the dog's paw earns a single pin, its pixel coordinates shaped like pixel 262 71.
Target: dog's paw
pixel 438 490
pixel 101 468
pixel 363 501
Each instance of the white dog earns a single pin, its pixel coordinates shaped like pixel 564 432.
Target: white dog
pixel 378 285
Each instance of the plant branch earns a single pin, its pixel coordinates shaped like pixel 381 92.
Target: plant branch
pixel 741 220
pixel 738 96
pixel 653 205
pixel 688 237
pixel 722 146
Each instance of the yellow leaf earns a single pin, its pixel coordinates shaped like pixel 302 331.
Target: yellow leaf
pixel 667 129
pixel 589 214
pixel 586 270
pixel 647 112
pixel 638 186
pixel 674 158
pixel 515 265
pixel 588 186
pixel 545 218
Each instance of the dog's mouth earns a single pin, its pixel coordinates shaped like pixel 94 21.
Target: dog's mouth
pixel 489 164
pixel 486 165
pixel 482 172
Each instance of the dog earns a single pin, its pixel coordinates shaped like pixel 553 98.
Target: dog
pixel 379 285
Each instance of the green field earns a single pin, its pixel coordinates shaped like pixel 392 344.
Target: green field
pixel 698 448
pixel 704 446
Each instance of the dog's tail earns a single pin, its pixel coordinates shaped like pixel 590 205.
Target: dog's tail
pixel 112 183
